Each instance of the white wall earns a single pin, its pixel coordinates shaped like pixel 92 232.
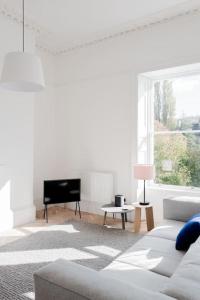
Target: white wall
pixel 44 130
pixel 16 140
pixel 96 98
pixel 93 128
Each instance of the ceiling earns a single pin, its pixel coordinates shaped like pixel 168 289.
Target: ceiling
pixel 66 24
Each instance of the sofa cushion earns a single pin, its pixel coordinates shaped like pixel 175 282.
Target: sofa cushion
pixel 192 256
pixel 153 253
pixel 181 208
pixel 169 229
pixel 189 233
pixel 136 276
pixel 182 289
pixel 184 284
pixel 66 280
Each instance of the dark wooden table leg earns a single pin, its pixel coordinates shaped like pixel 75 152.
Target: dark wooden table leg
pixel 126 219
pixel 104 220
pixel 79 209
pixel 46 213
pixel 76 209
pixel 123 221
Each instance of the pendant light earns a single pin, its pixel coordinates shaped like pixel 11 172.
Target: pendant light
pixel 22 71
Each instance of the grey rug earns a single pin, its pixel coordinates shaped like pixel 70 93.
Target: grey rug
pixel 90 245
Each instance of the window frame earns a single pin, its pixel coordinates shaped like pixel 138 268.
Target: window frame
pixel 148 104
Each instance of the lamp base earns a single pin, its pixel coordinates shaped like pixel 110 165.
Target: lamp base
pixel 144 203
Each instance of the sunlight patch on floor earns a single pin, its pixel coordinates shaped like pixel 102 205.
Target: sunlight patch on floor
pixel 29 295
pixel 12 233
pixel 66 228
pixel 104 250
pixel 42 255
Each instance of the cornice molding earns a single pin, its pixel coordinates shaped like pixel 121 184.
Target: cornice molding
pixel 16 18
pixel 13 16
pixel 44 32
pixel 129 31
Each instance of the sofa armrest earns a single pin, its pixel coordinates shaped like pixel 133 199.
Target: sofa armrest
pixel 181 208
pixel 63 280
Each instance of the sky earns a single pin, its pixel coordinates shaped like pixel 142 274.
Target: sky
pixel 187 94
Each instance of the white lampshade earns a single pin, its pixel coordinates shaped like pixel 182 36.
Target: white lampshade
pixel 144 172
pixel 22 72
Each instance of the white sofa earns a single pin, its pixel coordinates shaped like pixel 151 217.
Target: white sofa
pixel 151 269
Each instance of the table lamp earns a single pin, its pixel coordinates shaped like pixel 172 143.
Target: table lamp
pixel 144 172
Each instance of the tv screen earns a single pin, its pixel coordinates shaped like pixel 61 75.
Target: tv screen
pixel 62 191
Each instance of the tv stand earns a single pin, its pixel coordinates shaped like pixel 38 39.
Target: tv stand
pixel 77 209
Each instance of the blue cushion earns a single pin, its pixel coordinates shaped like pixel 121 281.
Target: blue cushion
pixel 189 233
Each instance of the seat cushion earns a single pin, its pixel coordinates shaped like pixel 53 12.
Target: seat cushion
pixel 181 208
pixel 67 280
pixel 153 253
pixel 189 233
pixel 182 289
pixel 184 284
pixel 169 229
pixel 192 256
pixel 136 276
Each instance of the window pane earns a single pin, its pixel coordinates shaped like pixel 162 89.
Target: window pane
pixel 177 158
pixel 177 103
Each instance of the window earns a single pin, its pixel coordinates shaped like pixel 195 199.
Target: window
pixel 176 130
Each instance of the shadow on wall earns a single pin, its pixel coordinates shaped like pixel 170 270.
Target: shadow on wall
pixel 6 214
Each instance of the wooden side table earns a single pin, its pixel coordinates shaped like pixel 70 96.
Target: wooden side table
pixel 149 216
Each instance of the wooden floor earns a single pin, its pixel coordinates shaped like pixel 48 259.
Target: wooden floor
pixel 58 215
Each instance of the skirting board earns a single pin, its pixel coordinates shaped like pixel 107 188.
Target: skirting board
pixel 95 208
pixel 88 206
pixel 10 218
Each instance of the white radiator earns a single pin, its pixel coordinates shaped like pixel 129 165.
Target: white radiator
pixel 97 187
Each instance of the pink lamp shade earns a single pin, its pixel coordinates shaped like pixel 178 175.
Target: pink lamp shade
pixel 144 172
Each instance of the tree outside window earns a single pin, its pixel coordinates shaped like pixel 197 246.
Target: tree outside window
pixel 177 131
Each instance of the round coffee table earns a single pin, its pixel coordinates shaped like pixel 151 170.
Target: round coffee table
pixel 110 208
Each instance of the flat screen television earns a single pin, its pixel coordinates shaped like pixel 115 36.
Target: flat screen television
pixel 62 191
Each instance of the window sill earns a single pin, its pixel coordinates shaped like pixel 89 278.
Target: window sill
pixel 180 189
